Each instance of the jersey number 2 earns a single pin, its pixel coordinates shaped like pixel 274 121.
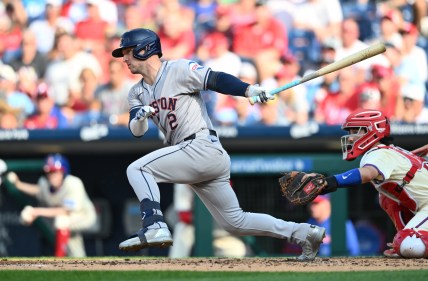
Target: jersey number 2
pixel 172 120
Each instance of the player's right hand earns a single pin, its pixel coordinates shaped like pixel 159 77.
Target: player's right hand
pixel 144 112
pixel 259 94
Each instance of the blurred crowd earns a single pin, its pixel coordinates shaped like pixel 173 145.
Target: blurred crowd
pixel 56 69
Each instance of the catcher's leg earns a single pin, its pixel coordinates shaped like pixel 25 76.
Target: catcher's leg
pixel 412 241
pixel 220 199
pixel 399 215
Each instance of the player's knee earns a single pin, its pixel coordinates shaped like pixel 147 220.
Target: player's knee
pixel 132 169
pixel 410 243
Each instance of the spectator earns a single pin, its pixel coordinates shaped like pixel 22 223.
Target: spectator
pixel 11 24
pixel 320 211
pixel 317 89
pixel 113 95
pixel 413 110
pixel 108 11
pixel 92 31
pixel 214 51
pixel 335 106
pixel 413 52
pixel 385 80
pixel 406 72
pixel 269 114
pixel 264 40
pixel 205 16
pixel 75 10
pixel 34 9
pixel 63 199
pixel 246 113
pixel 9 92
pixel 82 108
pixel 8 117
pixel 390 24
pixel 369 98
pixel 53 23
pixel 292 104
pixel 30 64
pixel 177 37
pixel 47 115
pixel 322 17
pixel 240 13
pixel 351 45
pixel 132 17
pixel 62 74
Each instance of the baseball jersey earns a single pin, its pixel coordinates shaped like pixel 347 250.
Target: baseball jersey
pixel 179 108
pixel 71 195
pixel 393 163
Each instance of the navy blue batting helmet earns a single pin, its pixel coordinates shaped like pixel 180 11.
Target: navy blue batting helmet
pixel 140 39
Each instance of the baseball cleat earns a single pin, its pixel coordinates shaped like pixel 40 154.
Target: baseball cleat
pixel 311 245
pixel 144 238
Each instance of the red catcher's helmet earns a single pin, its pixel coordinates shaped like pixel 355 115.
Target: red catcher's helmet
pixel 372 126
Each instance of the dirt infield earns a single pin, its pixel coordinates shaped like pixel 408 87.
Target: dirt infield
pixel 217 264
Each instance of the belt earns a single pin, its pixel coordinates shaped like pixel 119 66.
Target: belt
pixel 193 136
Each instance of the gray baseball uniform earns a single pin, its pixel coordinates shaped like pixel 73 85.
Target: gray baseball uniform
pixel 194 154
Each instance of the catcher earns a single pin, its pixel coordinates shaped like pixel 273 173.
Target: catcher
pixel 400 177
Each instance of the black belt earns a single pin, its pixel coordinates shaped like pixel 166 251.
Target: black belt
pixel 193 136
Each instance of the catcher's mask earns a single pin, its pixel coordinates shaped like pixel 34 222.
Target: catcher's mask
pixel 372 126
pixel 140 39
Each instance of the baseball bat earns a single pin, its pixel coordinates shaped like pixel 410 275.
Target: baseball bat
pixel 342 63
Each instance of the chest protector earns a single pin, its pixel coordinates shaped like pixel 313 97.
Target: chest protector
pixel 398 191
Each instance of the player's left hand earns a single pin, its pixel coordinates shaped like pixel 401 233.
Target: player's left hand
pixel 260 94
pixel 144 112
pixel 301 188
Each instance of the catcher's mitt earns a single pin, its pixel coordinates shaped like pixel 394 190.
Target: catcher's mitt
pixel 298 192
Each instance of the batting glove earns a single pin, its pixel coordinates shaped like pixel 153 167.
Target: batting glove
pixel 259 94
pixel 144 112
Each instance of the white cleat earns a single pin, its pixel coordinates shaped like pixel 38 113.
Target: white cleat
pixel 311 245
pixel 160 237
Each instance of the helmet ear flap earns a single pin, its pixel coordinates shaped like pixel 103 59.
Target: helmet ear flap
pixel 150 49
pixel 139 39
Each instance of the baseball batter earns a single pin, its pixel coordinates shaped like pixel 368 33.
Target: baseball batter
pixel 169 94
pixel 400 177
